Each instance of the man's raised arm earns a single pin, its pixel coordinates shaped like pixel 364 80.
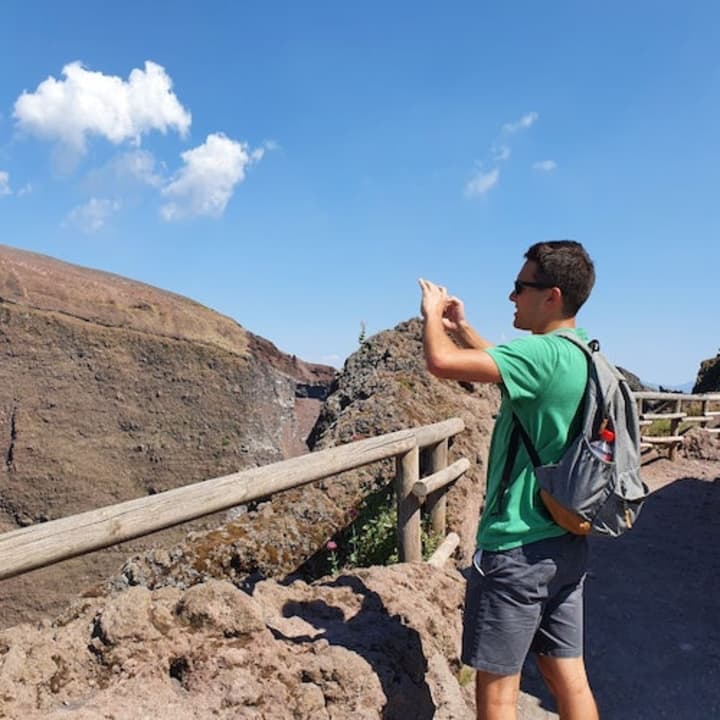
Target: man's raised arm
pixel 442 314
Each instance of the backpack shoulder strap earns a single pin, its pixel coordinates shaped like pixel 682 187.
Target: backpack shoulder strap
pixel 505 482
pixel 592 352
pixel 587 347
pixel 532 452
pixel 517 433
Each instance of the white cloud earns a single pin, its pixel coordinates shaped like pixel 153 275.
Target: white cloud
pixel 482 182
pixel 90 103
pixel 139 165
pixel 501 153
pixel 92 216
pixel 545 165
pixel 126 175
pixel 523 123
pixel 24 190
pixel 5 183
pixel 206 182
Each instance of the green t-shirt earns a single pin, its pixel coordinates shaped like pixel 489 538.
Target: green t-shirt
pixel 543 382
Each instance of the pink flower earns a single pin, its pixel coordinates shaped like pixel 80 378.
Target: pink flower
pixel 331 545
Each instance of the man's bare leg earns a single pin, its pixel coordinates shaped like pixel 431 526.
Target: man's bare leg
pixel 568 682
pixel 496 696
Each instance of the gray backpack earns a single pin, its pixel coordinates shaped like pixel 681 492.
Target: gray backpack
pixel 584 493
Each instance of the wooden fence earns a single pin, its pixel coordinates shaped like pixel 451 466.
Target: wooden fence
pixel 674 407
pixel 50 542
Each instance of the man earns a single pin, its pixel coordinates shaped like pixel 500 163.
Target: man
pixel 525 589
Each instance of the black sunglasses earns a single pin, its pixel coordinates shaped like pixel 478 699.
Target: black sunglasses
pixel 520 285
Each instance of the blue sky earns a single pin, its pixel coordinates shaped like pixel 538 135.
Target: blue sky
pixel 297 166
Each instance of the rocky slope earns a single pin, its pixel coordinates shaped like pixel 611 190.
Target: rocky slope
pixel 111 389
pixel 378 643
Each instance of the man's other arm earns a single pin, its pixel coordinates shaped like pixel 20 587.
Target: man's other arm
pixel 459 328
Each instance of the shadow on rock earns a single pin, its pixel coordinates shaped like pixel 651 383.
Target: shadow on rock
pixel 651 611
pixel 390 647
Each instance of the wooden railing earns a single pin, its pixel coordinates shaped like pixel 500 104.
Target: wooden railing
pixel 670 406
pixel 50 542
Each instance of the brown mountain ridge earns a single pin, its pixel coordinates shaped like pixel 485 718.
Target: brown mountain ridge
pixel 111 389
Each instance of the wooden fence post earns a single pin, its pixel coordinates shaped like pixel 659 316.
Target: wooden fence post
pixel 436 502
pixel 674 425
pixel 408 506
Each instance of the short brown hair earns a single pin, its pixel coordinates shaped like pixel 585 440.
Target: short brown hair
pixel 564 264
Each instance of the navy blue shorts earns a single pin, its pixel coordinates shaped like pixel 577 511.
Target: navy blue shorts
pixel 526 599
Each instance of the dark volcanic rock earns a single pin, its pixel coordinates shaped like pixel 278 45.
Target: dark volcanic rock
pixel 708 378
pixel 111 390
pixel 384 386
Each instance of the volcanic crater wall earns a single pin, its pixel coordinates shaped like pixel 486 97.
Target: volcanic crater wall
pixel 111 390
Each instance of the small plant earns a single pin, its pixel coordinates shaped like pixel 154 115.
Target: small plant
pixel 371 536
pixel 430 540
pixel 331 546
pixel 362 337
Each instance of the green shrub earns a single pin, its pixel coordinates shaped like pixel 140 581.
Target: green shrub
pixel 659 427
pixel 371 536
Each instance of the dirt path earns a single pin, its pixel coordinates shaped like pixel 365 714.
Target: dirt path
pixel 653 606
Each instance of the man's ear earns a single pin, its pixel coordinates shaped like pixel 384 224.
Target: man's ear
pixel 555 297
